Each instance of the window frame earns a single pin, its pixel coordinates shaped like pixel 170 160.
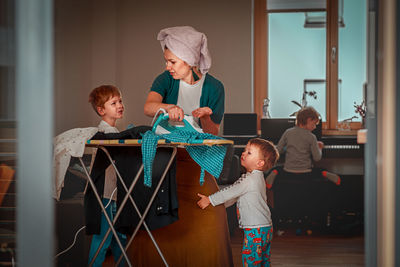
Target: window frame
pixel 332 71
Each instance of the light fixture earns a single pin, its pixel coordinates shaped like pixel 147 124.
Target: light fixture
pixel 318 19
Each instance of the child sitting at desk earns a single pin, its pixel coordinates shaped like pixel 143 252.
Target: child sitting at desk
pixel 249 192
pixel 300 143
pixel 107 103
pixel 301 148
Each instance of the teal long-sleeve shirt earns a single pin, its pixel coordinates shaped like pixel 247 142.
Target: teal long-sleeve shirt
pixel 212 95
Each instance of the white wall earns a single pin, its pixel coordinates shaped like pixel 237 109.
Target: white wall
pixel 114 42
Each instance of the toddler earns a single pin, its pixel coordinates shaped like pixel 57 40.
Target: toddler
pixel 249 193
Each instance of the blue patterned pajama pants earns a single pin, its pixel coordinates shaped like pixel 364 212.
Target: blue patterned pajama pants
pixel 256 249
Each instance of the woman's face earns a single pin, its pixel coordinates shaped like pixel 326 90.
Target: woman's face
pixel 178 68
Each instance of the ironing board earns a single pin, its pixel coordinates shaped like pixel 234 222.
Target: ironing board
pixel 200 237
pixel 103 144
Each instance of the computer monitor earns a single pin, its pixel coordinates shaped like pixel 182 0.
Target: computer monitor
pixel 240 124
pixel 272 129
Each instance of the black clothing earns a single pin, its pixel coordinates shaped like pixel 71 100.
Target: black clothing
pixel 128 159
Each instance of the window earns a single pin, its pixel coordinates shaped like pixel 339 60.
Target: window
pixel 315 54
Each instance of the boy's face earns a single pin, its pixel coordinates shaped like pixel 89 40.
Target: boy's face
pixel 311 124
pixel 113 109
pixel 251 158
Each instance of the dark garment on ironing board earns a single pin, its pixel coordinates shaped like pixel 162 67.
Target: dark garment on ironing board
pixel 132 133
pixel 164 209
pixel 128 160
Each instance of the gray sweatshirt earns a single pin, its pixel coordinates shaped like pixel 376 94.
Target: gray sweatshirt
pixel 250 194
pixel 301 149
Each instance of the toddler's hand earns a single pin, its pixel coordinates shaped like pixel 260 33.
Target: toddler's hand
pixel 203 202
pixel 320 145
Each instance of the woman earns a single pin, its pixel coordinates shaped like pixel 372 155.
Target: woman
pixel 186 87
pixel 198 238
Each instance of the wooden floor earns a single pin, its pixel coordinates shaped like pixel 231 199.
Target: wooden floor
pixel 316 249
pixel 313 250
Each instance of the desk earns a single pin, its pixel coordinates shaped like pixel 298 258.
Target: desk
pixel 341 154
pixel 342 166
pixel 199 237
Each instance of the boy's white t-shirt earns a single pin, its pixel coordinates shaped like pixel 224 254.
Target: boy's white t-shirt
pixel 110 182
pixel 189 96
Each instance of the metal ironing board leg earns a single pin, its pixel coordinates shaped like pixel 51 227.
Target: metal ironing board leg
pixel 163 240
pixel 105 213
pixel 133 202
pixel 149 204
pixel 123 202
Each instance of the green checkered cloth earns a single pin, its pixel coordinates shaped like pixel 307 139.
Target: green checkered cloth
pixel 209 158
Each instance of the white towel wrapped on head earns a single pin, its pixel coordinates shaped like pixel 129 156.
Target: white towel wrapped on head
pixel 187 44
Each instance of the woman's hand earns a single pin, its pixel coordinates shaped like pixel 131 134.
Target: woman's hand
pixel 175 113
pixel 154 103
pixel 204 201
pixel 201 112
pixel 206 123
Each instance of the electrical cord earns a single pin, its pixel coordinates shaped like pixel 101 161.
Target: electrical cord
pixel 73 243
pixel 156 115
pixel 76 234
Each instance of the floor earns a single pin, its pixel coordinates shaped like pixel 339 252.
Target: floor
pixel 316 249
pixel 290 249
